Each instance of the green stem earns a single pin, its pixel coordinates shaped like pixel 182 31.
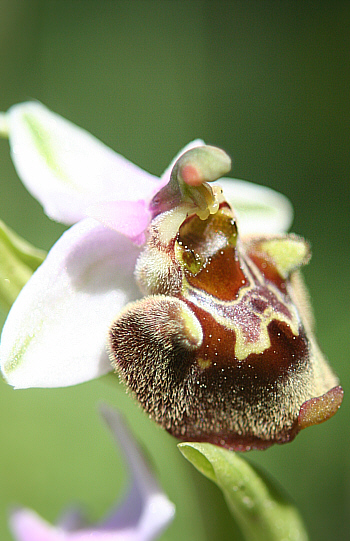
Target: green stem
pixel 259 507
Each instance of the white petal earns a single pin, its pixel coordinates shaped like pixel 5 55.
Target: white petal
pixel 56 330
pixel 66 168
pixel 259 209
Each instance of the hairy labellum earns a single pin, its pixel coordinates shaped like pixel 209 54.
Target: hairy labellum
pixel 222 348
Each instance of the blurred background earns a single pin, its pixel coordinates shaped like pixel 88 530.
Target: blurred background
pixel 268 82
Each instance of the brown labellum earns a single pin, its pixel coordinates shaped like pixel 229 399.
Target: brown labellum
pixel 222 348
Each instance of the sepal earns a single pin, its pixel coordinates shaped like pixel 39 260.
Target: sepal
pixel 55 333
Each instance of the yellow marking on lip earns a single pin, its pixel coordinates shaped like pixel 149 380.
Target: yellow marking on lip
pixel 244 347
pixel 191 327
pixel 203 363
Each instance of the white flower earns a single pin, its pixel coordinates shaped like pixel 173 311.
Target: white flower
pixel 56 331
pixel 143 515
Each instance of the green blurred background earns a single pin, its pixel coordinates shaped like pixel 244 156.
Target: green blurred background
pixel 268 82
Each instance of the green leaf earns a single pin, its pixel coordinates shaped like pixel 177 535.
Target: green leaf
pixel 18 260
pixel 260 508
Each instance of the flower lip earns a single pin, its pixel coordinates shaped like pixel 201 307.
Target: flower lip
pixel 252 378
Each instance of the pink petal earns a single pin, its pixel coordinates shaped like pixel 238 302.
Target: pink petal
pixel 131 218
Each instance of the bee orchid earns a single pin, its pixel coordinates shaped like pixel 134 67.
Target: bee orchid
pixel 200 286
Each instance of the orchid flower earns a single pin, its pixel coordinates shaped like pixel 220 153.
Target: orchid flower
pixel 55 334
pixel 222 348
pixel 143 515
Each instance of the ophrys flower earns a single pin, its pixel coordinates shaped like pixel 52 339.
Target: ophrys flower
pixel 222 348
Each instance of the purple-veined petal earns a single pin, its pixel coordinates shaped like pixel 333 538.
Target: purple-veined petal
pixel 131 218
pixel 143 515
pixel 66 168
pixel 56 330
pixel 259 209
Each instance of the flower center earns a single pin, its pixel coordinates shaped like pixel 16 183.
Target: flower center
pixel 188 191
